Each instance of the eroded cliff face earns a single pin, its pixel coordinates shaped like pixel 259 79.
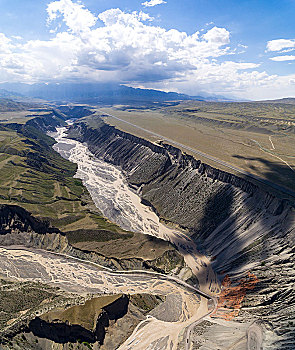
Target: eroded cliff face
pixel 102 322
pixel 242 227
pixel 226 214
pixel 87 322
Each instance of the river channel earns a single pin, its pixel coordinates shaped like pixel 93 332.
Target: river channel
pixel 119 203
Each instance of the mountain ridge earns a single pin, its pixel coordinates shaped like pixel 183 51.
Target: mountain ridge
pixel 98 93
pixel 285 100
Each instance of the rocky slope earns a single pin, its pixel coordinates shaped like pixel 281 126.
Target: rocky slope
pixel 86 322
pixel 241 226
pixel 103 322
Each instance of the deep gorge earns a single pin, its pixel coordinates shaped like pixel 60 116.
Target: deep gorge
pixel 241 226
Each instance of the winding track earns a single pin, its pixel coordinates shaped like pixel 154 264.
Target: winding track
pixel 207 156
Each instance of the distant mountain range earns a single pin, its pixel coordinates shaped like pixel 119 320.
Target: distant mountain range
pixel 286 100
pixel 9 94
pixel 95 93
pixel 106 93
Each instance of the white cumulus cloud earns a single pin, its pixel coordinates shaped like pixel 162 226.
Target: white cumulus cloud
pixel 5 44
pixel 127 47
pixel 152 3
pixel 283 58
pixel 75 15
pixel 280 44
pixel 217 35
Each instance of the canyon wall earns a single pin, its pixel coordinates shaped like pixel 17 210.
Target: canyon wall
pixel 75 323
pixel 241 226
pixel 229 216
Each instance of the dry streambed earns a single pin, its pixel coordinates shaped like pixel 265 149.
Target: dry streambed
pixel 114 198
pixel 77 277
pixel 111 194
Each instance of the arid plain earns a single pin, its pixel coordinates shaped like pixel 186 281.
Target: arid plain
pixel 258 138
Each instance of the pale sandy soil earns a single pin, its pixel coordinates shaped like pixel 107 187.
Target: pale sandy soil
pixel 75 276
pixel 232 146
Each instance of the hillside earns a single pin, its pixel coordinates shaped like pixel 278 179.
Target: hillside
pixel 286 100
pixel 9 105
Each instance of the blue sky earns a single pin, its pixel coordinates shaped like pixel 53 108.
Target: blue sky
pixel 235 48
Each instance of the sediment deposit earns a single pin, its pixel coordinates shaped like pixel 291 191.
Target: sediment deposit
pixel 74 276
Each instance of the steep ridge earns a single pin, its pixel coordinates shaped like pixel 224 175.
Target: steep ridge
pixel 19 227
pixel 87 322
pixel 242 227
pixel 167 178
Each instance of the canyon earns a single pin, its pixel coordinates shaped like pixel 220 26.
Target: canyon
pixel 241 227
pixel 226 236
